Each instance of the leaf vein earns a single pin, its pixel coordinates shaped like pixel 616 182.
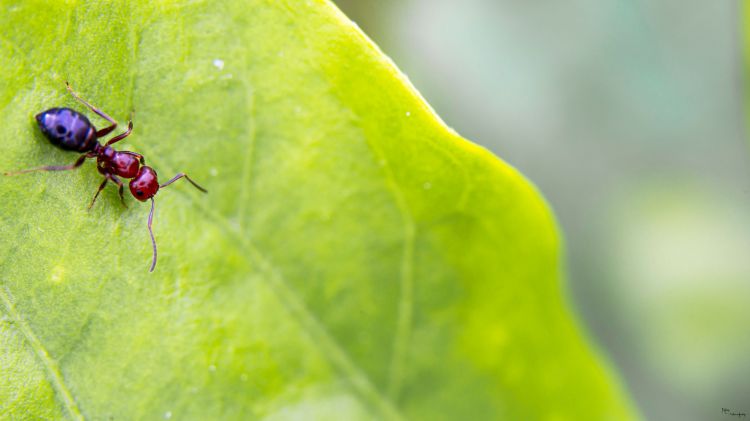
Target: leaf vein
pixel 406 281
pixel 247 165
pixel 55 376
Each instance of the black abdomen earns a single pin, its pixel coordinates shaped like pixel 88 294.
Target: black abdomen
pixel 67 129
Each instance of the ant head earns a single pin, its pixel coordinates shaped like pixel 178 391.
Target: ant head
pixel 145 184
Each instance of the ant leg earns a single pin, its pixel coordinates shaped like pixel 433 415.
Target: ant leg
pixel 105 131
pixel 120 190
pixel 101 187
pixel 179 176
pixel 73 166
pixel 99 112
pixel 120 136
pixel 151 232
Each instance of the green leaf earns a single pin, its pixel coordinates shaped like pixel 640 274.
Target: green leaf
pixel 354 258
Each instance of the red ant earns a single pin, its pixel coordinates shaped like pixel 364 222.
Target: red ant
pixel 72 131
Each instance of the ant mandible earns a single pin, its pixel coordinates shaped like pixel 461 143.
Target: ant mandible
pixel 72 131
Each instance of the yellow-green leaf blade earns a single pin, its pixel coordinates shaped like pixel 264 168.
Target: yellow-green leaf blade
pixel 353 259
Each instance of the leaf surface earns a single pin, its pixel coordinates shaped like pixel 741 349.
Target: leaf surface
pixel 354 258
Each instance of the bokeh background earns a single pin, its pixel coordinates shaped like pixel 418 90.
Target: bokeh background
pixel 628 115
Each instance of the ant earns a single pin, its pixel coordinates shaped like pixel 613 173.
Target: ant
pixel 72 131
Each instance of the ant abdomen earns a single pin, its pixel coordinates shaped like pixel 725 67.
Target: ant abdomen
pixel 67 129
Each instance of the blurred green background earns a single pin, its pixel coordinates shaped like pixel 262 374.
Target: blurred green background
pixel 629 117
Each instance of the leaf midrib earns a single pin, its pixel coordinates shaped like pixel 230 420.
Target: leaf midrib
pixel 306 319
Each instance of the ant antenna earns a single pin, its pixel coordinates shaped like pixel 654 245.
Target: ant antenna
pixel 150 231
